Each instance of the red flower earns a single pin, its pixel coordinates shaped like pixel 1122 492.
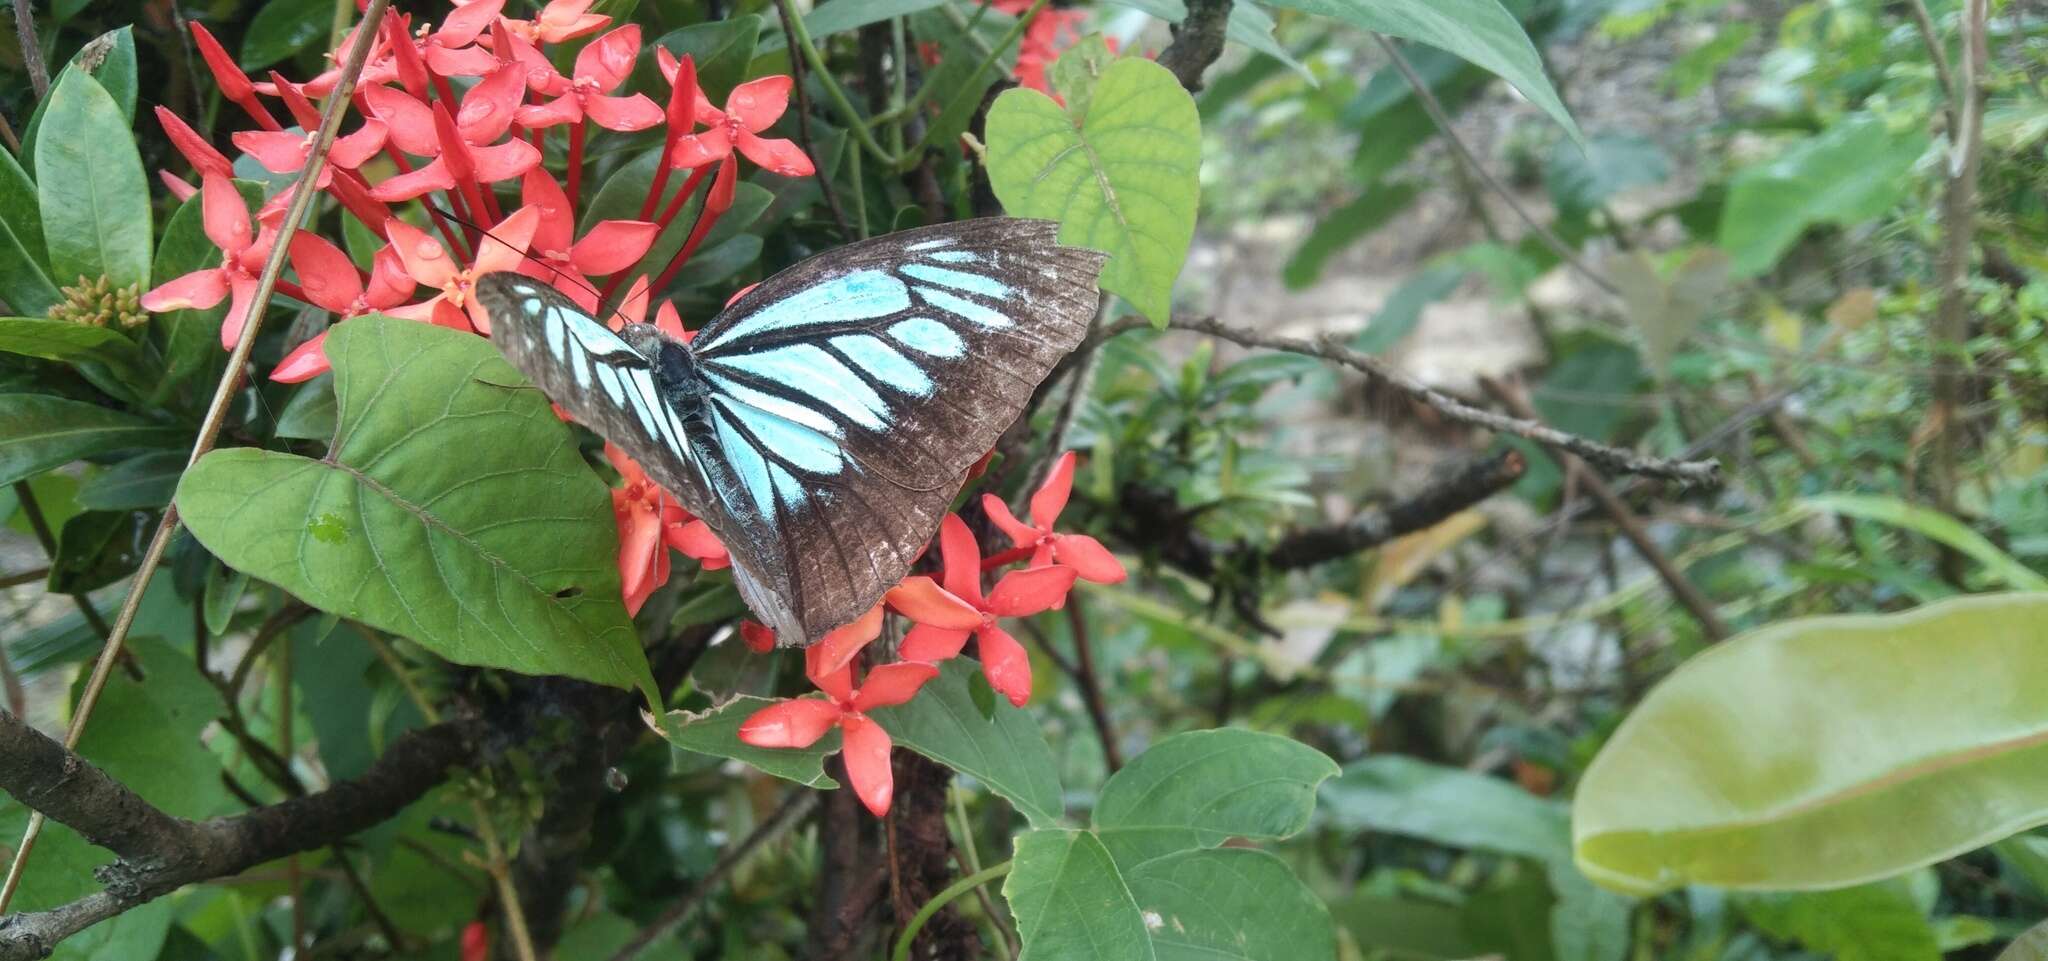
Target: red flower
pixel 226 219
pixel 600 68
pixel 650 523
pixel 946 615
pixel 864 746
pixel 1086 555
pixel 757 637
pixel 428 262
pixel 752 107
pixel 476 941
pixel 558 21
pixel 234 84
pixel 284 152
pixel 609 247
pixel 1049 32
pixel 462 158
pixel 331 282
pixel 200 154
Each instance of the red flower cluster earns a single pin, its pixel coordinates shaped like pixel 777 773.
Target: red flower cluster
pixel 1050 31
pixel 944 614
pixel 416 138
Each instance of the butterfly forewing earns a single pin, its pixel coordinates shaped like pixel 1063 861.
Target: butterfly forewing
pixel 833 411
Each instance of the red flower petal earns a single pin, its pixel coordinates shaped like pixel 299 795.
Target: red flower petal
pixel 561 110
pixel 922 600
pixel 892 684
pixel 696 539
pixel 724 185
pixel 1051 497
pixel 233 83
pixel 696 150
pixel 607 60
pixel 410 123
pixel 639 539
pixel 179 189
pixel 405 54
pixel 357 148
pixel 426 180
pixel 225 215
pixel 468 20
pixel 625 114
pixel 931 644
pixel 242 292
pixel 865 751
pixel 278 151
pixel 305 362
pixel 326 274
pixel 839 645
pixel 465 62
pixel 1005 664
pixel 1088 558
pixel 780 157
pixel 539 191
pixel 503 161
pixel 302 110
pixel 613 245
pixel 757 104
pixel 200 154
pixel 963 559
pixel 797 723
pixel 423 256
pixel 1026 592
pixel 683 94
pixel 1020 533
pixel 838 685
pixel 487 109
pixel 757 637
pixel 197 290
pixel 390 285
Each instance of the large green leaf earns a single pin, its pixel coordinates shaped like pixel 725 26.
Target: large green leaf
pixel 1071 902
pixel 93 196
pixel 143 481
pixel 452 508
pixel 1869 922
pixel 108 58
pixel 283 28
pixel 19 212
pixel 1481 31
pixel 1345 226
pixel 1229 903
pixel 1120 178
pixel 147 736
pixel 38 432
pixel 73 343
pixel 1853 171
pixel 1828 751
pixel 717 732
pixel 1004 751
pixel 1448 806
pixel 24 281
pixel 1202 788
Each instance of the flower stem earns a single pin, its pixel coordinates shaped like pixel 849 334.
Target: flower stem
pixel 1011 556
pixel 940 900
pixel 576 161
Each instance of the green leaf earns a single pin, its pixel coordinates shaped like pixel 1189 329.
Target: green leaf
pixel 722 51
pixel 1008 753
pixel 1448 806
pixel 713 263
pixel 1345 226
pixel 24 282
pixel 19 212
pixel 71 343
pixel 1851 172
pixel 1231 903
pixel 146 736
pixel 1079 69
pixel 503 557
pixel 1403 308
pixel 1583 177
pixel 1665 311
pixel 97 548
pixel 1936 526
pixel 717 732
pixel 1252 26
pixel 142 481
pixel 310 414
pixel 1071 902
pixel 1827 751
pixel 839 17
pixel 2032 945
pixel 283 28
pixel 96 216
pixel 1122 179
pixel 224 589
pixel 1202 788
pixel 1481 31
pixel 1871 922
pixel 108 58
pixel 38 432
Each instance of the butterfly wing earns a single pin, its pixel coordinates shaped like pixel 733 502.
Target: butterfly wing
pixel 845 398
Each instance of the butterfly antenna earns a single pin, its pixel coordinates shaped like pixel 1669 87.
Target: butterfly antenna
pixel 602 301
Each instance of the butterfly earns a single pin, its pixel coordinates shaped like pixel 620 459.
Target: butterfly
pixel 823 422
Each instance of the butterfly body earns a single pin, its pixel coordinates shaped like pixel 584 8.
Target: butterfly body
pixel 822 423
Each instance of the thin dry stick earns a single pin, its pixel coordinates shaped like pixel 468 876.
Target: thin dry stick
pixel 216 412
pixel 1924 22
pixel 31 50
pixel 1958 227
pixel 1435 109
pixel 1687 473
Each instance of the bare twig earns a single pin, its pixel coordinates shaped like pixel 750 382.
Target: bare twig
pixel 792 810
pixel 1924 22
pixel 1091 684
pixel 1688 594
pixel 159 853
pixel 1950 329
pixel 1197 42
pixel 1469 484
pixel 1437 115
pixel 1685 473
pixel 31 49
pixel 216 412
pixel 25 577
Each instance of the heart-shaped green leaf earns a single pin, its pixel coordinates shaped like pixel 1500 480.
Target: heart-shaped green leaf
pixel 452 508
pixel 1120 174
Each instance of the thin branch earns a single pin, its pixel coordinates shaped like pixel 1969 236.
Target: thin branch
pixel 25 577
pixel 1469 484
pixel 1950 328
pixel 1091 685
pixel 1924 22
pixel 31 50
pixel 1685 473
pixel 1688 594
pixel 791 811
pixel 159 853
pixel 1197 42
pixel 216 412
pixel 1437 115
pixel 803 119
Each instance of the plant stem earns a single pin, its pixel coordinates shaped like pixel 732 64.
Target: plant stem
pixel 216 412
pixel 909 156
pixel 1950 328
pixel 31 49
pixel 575 162
pixel 939 901
pixel 803 118
pixel 837 94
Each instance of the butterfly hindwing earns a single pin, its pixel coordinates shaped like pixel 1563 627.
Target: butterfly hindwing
pixel 849 394
pixel 823 422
